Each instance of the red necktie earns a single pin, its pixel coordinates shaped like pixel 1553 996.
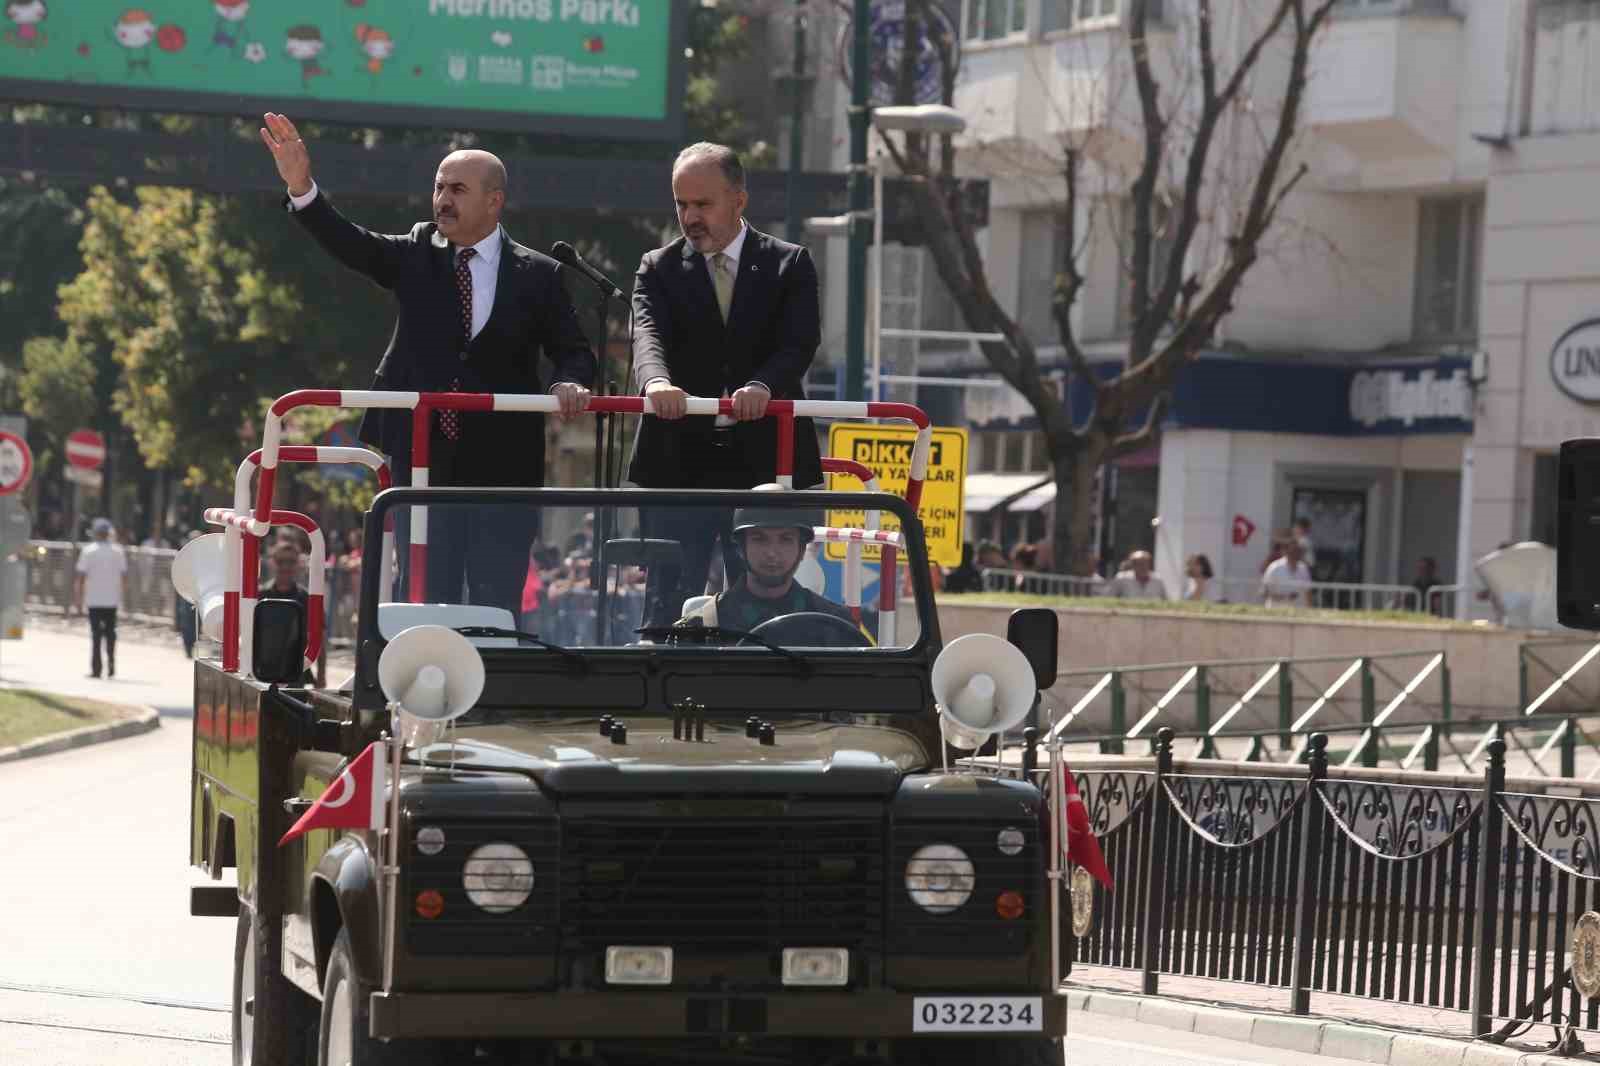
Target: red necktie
pixel 450 421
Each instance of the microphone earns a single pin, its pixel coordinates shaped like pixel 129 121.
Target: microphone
pixel 567 255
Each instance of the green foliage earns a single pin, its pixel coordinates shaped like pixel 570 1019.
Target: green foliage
pixel 40 253
pixel 57 382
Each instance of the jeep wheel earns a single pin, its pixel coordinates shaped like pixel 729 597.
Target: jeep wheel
pixel 980 1051
pixel 272 1020
pixel 342 1036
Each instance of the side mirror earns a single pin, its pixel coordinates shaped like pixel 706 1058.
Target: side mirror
pixel 1578 534
pixel 279 647
pixel 1035 632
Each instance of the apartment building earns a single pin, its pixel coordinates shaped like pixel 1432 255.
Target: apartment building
pixel 1421 333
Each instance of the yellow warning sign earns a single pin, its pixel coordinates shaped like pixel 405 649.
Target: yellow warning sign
pixel 886 451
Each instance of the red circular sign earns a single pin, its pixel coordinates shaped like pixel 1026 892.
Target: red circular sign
pixel 16 463
pixel 86 449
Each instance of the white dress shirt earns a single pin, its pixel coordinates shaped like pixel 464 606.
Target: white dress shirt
pixel 485 266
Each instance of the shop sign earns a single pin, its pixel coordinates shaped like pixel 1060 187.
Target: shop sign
pixel 1575 362
pixel 1378 396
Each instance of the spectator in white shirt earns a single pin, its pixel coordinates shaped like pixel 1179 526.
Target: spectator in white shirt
pixel 102 575
pixel 1137 582
pixel 1199 573
pixel 1287 581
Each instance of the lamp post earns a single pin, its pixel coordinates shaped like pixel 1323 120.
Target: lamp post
pixel 930 119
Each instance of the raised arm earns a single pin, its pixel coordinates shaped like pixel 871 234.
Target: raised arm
pixel 376 255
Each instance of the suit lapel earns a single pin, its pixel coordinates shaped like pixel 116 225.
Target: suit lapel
pixel 696 279
pixel 510 262
pixel 753 268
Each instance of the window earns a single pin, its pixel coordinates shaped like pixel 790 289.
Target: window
pixel 1015 458
pixel 1064 14
pixel 1449 238
pixel 1163 224
pixel 989 20
pixel 1043 254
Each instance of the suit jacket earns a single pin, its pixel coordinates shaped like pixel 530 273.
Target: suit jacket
pixel 773 329
pixel 428 350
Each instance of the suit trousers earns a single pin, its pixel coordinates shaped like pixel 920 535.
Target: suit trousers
pixel 477 553
pixel 698 530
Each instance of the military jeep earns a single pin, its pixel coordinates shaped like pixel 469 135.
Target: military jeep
pixel 641 841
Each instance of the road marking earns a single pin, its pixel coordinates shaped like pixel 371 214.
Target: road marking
pixel 115 1032
pixel 85 993
pixel 1073 1040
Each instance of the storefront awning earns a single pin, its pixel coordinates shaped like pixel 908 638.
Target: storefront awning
pixel 984 491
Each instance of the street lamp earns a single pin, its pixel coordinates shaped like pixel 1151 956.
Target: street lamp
pixel 929 119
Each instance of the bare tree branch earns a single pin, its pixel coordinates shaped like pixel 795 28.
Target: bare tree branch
pixel 1144 187
pixel 1070 278
pixel 1147 432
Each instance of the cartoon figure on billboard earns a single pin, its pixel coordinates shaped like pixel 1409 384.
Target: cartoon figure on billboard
pixel 134 31
pixel 229 30
pixel 377 44
pixel 25 16
pixel 304 45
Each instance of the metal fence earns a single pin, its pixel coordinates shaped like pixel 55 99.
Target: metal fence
pixel 149 596
pixel 1452 891
pixel 996 579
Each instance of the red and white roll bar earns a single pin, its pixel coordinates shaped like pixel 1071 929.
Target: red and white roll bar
pixel 422 405
pixel 233 522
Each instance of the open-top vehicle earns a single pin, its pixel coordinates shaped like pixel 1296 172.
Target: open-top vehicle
pixel 736 833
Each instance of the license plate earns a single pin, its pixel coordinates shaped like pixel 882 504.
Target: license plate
pixel 977 1014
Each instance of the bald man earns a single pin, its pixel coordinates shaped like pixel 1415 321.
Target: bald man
pixel 476 312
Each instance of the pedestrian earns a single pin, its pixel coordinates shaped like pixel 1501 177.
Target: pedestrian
pixel 1137 582
pixel 728 311
pixel 1308 547
pixel 1198 585
pixel 966 577
pixel 477 310
pixel 285 584
pixel 1427 578
pixel 1287 581
pixel 102 581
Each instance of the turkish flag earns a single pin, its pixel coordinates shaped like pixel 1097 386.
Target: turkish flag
pixel 1242 529
pixel 1080 843
pixel 354 799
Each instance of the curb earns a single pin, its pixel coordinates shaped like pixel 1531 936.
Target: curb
pixel 1312 1036
pixel 145 720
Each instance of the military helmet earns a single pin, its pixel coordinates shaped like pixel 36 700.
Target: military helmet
pixel 754 516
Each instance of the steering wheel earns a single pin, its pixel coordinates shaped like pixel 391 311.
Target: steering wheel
pixel 788 629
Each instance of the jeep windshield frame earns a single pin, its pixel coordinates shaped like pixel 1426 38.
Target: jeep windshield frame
pixel 608 661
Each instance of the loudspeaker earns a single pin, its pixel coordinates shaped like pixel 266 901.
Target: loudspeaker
pixel 435 675
pixel 984 685
pixel 1523 581
pixel 198 573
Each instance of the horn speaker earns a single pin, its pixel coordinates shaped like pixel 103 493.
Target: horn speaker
pixel 1523 580
pixel 435 675
pixel 984 685
pixel 199 574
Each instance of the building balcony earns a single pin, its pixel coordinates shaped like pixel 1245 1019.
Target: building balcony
pixel 1385 86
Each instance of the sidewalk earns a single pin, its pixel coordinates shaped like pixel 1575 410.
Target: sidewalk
pixel 1341 1027
pixel 53 656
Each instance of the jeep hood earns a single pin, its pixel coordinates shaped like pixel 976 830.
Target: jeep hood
pixel 572 758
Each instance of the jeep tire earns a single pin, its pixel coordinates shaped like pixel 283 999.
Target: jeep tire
pixel 342 1038
pixel 273 1021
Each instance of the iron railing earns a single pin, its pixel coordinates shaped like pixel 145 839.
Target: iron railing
pixel 148 595
pixel 996 579
pixel 1289 697
pixel 1327 595
pixel 1454 891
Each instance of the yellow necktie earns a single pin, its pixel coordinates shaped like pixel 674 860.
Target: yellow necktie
pixel 722 279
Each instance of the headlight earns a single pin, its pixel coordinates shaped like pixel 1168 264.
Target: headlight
pixel 939 878
pixel 498 877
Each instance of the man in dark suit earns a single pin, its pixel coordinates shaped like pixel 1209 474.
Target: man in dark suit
pixel 476 309
pixel 723 311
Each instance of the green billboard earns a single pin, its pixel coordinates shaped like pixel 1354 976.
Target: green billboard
pixel 606 67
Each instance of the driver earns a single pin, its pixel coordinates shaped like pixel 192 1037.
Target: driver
pixel 773 542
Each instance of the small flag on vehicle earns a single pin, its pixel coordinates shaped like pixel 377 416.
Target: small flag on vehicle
pixel 1079 841
pixel 353 800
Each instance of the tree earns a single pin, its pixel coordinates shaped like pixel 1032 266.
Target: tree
pixel 1198 215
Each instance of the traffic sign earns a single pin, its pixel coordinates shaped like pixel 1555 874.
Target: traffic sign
pixel 886 450
pixel 86 449
pixel 82 475
pixel 16 463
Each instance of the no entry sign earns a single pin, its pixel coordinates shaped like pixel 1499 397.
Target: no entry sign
pixel 16 463
pixel 86 449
